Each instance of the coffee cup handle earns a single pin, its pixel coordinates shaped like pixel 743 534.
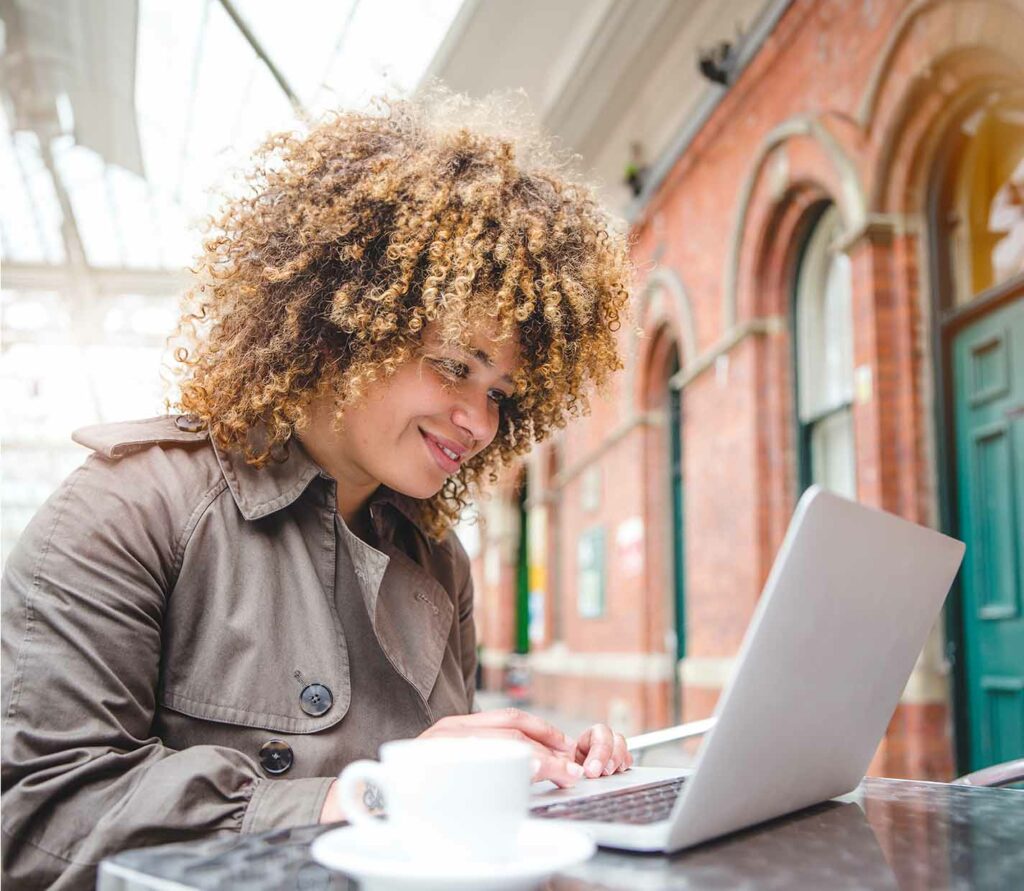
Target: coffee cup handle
pixel 351 795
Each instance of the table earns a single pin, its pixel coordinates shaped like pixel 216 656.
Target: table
pixel 886 834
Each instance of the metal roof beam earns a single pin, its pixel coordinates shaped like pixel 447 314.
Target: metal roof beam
pixel 257 48
pixel 106 281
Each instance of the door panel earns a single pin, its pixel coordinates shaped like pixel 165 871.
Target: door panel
pixel 1002 727
pixel 992 509
pixel 988 368
pixel 675 427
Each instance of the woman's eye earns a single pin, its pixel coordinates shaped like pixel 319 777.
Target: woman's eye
pixel 451 368
pixel 455 370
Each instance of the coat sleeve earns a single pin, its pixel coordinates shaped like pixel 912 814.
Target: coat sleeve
pixel 467 624
pixel 84 596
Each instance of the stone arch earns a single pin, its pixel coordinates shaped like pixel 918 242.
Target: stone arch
pixel 920 117
pixel 662 342
pixel 652 313
pixel 841 180
pixel 778 234
pixel 938 54
pixel 943 24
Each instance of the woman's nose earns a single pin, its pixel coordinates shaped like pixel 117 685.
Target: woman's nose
pixel 473 414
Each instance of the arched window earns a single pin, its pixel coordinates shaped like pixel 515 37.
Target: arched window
pixel 983 199
pixel 824 360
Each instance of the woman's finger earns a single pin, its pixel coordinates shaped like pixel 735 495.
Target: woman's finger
pixel 562 771
pixel 602 743
pixel 547 764
pixel 454 731
pixel 532 726
pixel 583 745
pixel 628 763
pixel 619 755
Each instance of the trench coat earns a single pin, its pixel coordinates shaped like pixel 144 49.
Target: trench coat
pixel 175 660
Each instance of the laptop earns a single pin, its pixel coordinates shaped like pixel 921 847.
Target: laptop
pixel 843 616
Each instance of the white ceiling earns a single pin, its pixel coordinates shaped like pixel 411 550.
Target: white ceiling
pixel 203 100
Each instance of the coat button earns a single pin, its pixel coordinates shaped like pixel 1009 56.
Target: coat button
pixel 316 699
pixel 276 756
pixel 189 423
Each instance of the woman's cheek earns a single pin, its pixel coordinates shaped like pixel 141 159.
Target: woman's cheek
pixel 493 433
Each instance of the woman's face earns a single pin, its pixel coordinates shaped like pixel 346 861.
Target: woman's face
pixel 414 430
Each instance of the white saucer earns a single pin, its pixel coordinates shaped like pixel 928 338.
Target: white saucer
pixel 370 858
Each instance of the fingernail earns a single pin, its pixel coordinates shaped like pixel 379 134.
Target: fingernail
pixel 575 770
pixel 534 766
pixel 608 770
pixel 594 767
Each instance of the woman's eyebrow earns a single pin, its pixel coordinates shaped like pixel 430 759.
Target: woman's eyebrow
pixel 483 356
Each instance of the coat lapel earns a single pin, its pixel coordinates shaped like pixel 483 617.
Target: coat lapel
pixel 410 610
pixel 413 619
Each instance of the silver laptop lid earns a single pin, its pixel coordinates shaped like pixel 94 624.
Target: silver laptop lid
pixel 844 614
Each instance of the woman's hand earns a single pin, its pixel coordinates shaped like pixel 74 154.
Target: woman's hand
pixel 598 752
pixel 555 756
pixel 602 752
pixel 331 812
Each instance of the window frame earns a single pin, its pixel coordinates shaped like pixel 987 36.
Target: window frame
pixel 804 428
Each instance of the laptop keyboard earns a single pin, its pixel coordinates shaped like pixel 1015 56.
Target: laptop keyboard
pixel 638 805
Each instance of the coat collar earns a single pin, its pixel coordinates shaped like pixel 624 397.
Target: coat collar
pixel 261 491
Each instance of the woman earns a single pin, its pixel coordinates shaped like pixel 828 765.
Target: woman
pixel 223 607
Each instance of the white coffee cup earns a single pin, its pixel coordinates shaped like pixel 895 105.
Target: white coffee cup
pixel 465 797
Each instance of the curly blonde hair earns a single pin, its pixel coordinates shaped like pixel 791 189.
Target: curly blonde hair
pixel 321 275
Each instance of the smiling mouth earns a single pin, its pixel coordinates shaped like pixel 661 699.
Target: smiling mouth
pixel 448 452
pixel 447 459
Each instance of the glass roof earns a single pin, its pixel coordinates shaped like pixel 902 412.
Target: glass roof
pixel 93 241
pixel 203 100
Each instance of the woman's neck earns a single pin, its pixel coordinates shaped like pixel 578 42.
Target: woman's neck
pixel 353 487
pixel 358 522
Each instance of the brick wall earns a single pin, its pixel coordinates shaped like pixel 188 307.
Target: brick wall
pixel 843 103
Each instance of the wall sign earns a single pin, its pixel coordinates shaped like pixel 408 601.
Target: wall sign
pixel 591 573
pixel 629 547
pixel 590 489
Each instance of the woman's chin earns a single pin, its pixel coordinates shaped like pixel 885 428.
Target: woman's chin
pixel 421 488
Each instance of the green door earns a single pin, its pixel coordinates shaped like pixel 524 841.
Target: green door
pixel 523 578
pixel 678 542
pixel 988 368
